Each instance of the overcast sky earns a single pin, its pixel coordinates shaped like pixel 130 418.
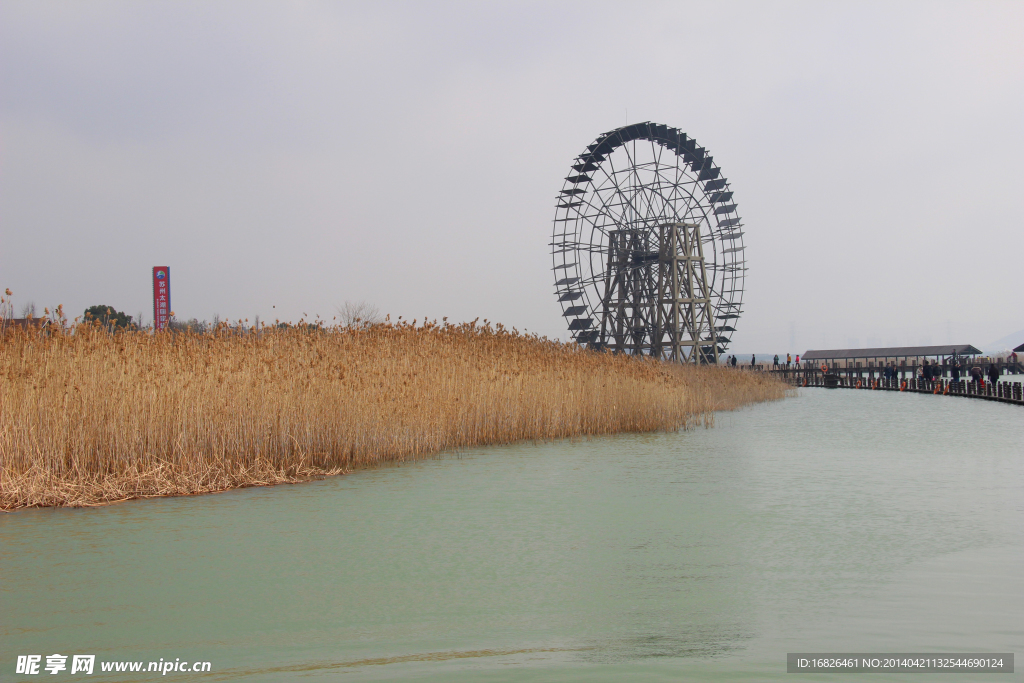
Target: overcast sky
pixel 283 158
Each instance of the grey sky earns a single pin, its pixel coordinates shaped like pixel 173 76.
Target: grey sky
pixel 297 155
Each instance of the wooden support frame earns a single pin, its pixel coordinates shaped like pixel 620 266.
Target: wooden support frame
pixel 656 297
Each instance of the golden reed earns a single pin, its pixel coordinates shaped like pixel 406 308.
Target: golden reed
pixel 90 417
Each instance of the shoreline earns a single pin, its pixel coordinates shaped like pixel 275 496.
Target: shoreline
pixel 95 418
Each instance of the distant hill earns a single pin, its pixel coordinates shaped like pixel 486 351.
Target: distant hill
pixel 1010 341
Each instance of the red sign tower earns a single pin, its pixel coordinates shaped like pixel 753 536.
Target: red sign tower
pixel 161 296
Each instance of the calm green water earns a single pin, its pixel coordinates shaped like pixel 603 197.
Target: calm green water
pixel 835 521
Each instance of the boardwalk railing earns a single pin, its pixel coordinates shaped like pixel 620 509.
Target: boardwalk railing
pixel 1003 391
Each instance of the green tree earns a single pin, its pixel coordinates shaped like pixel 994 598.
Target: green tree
pixel 110 317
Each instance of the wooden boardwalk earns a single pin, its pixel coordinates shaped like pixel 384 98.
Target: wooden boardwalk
pixel 1003 391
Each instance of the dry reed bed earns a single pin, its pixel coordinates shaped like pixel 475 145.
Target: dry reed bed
pixel 90 417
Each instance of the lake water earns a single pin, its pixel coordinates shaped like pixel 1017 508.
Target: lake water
pixel 833 521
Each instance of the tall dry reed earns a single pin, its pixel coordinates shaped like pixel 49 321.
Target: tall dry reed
pixel 89 417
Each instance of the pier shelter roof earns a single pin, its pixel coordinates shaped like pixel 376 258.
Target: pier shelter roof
pixel 892 352
pixel 1020 348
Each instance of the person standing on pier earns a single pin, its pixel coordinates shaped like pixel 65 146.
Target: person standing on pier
pixel 775 363
pixel 753 359
pixel 734 360
pixel 993 373
pixel 789 359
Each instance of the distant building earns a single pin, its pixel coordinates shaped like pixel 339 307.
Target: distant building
pixel 25 322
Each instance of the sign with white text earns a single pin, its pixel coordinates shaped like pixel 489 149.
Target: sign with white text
pixel 161 296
